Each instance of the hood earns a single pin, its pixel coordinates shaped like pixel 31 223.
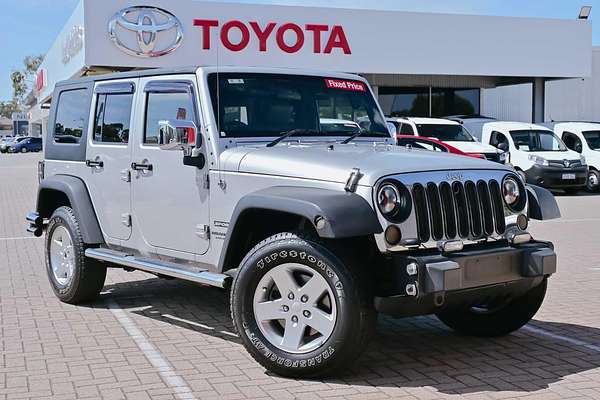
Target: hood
pixel 557 155
pixel 334 164
pixel 474 147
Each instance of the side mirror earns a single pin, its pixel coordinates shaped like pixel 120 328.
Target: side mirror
pixel 178 135
pixel 503 146
pixel 391 128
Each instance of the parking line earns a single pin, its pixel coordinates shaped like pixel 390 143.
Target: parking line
pixel 562 338
pixel 163 367
pixel 20 238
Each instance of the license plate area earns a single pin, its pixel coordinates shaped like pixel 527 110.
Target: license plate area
pixel 568 177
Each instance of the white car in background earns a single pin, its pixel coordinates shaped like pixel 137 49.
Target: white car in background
pixel 448 131
pixel 538 155
pixel 583 138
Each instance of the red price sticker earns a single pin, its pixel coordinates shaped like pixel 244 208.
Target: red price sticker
pixel 345 85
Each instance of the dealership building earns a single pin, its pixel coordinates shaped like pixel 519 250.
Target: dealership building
pixel 419 64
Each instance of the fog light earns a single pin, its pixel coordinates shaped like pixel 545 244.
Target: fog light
pixel 412 269
pixel 522 222
pixel 393 235
pixel 450 246
pixel 519 238
pixel 411 289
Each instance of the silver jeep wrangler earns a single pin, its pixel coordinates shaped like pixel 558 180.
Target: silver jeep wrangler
pixel 237 178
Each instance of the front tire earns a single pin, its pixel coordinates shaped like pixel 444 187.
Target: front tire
pixel 498 320
pixel 593 182
pixel 24 150
pixel 73 277
pixel 300 311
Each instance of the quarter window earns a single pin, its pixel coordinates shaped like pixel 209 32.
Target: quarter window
pixel 71 114
pixel 168 107
pixel 406 129
pixel 113 116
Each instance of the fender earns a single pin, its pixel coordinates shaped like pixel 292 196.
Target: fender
pixel 80 202
pixel 334 214
pixel 542 204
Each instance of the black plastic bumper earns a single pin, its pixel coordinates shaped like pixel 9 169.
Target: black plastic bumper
pixel 550 177
pixel 468 277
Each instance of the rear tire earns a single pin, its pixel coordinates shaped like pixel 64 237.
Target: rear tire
pixel 73 277
pixel 322 315
pixel 498 321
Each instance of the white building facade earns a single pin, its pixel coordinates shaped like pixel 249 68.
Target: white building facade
pixel 420 64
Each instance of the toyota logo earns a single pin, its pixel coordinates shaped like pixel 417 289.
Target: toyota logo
pixel 145 31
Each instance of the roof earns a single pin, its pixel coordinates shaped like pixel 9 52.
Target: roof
pixel 582 126
pixel 429 121
pixel 209 69
pixel 512 126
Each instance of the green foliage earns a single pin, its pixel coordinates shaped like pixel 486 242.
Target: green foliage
pixel 22 80
pixel 7 108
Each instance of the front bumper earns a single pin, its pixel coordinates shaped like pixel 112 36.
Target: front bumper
pixel 551 177
pixel 469 277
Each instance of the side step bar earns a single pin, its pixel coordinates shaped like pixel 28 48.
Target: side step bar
pixel 155 267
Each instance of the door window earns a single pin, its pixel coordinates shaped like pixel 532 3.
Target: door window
pixel 71 115
pixel 572 142
pixel 113 116
pixel 498 138
pixel 166 107
pixel 406 129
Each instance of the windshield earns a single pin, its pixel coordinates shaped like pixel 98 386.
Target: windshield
pixel 593 139
pixel 251 105
pixel 537 140
pixel 445 133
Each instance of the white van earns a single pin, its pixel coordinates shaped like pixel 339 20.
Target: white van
pixel 538 155
pixel 584 138
pixel 448 131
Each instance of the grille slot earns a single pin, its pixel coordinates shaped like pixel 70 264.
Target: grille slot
pixel 435 210
pixel 461 209
pixel 469 210
pixel 486 208
pixel 420 204
pixel 498 207
pixel 448 207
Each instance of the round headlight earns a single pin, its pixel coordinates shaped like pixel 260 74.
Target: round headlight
pixel 511 191
pixel 388 199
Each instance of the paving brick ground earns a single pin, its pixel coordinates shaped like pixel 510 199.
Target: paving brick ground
pixel 52 350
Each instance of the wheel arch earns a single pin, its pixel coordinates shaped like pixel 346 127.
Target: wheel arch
pixel 67 190
pixel 322 212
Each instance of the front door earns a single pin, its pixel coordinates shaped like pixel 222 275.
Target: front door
pixel 170 199
pixel 108 157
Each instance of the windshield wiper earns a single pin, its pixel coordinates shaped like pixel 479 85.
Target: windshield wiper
pixel 362 132
pixel 285 135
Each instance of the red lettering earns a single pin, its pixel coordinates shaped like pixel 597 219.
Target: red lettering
pixel 225 35
pixel 299 38
pixel 263 35
pixel 337 39
pixel 317 30
pixel 206 24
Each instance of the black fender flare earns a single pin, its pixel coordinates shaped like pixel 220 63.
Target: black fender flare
pixel 76 191
pixel 542 204
pixel 334 214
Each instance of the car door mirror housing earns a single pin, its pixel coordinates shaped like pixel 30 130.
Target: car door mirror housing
pixel 179 135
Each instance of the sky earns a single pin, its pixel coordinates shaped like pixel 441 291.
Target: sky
pixel 29 27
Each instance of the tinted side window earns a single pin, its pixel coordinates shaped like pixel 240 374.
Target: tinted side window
pixel 406 129
pixel 71 114
pixel 166 107
pixel 113 115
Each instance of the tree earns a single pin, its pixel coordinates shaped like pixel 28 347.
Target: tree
pixel 7 108
pixel 22 80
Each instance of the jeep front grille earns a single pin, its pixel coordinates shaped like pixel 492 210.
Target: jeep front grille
pixel 469 210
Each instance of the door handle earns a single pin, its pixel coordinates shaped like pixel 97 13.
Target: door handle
pixel 94 163
pixel 141 167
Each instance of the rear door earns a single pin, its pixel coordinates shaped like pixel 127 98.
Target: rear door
pixel 108 156
pixel 170 199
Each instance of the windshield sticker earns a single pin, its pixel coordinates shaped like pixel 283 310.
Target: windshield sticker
pixel 235 81
pixel 345 85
